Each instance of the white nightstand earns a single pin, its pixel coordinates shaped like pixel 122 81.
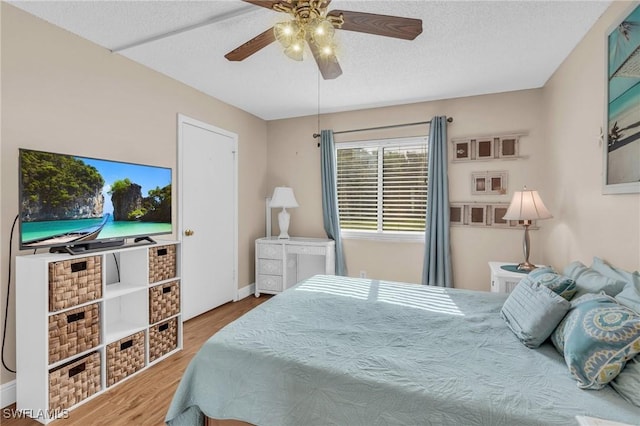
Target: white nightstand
pixel 503 281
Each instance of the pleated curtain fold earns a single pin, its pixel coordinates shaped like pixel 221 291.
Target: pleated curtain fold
pixel 330 196
pixel 437 269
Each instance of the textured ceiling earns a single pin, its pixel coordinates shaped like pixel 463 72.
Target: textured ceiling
pixel 466 48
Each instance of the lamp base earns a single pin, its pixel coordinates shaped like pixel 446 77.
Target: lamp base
pixel 283 223
pixel 526 266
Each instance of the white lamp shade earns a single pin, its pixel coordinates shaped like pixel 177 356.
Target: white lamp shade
pixel 283 197
pixel 526 205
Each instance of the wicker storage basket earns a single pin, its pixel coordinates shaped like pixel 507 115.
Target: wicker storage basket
pixel 162 263
pixel 73 331
pixel 164 301
pixel 74 381
pixel 163 338
pixel 73 282
pixel 125 357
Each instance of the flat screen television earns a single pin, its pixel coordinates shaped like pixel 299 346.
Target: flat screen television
pixel 71 204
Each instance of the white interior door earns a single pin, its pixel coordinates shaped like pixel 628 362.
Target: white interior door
pixel 207 215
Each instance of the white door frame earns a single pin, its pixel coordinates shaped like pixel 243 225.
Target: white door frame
pixel 183 119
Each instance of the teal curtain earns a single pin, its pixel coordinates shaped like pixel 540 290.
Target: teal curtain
pixel 330 196
pixel 437 249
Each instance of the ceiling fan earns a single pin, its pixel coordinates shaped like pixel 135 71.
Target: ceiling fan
pixel 310 23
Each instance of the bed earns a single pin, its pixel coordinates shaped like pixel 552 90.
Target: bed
pixel 349 351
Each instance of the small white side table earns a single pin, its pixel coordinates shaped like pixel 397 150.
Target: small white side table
pixel 503 281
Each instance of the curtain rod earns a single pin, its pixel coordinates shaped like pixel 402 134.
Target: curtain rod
pixel 449 120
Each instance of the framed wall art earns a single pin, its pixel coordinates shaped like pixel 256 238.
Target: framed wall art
pixel 508 147
pixel 485 148
pixel 477 215
pixel 462 150
pixel 486 215
pixel 502 146
pixel 456 214
pixel 489 183
pixel 497 211
pixel 621 169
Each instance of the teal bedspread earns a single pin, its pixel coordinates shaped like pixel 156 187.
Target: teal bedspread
pixel 346 351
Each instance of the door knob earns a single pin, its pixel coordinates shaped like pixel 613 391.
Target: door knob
pixel 188 232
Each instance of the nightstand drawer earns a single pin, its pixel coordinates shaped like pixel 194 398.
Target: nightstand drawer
pixel 269 266
pixel 311 250
pixel 269 283
pixel 269 251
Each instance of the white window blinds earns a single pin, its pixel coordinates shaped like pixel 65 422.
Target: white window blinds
pixel 382 185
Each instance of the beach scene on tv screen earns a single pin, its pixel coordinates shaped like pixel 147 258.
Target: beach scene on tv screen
pixel 68 199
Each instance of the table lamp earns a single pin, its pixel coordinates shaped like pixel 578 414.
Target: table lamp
pixel 283 197
pixel 526 205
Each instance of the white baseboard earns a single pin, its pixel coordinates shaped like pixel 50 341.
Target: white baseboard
pixel 7 393
pixel 246 291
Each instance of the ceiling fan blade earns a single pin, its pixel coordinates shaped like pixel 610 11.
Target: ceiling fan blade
pixel 285 5
pixel 384 25
pixel 252 46
pixel 262 3
pixel 328 65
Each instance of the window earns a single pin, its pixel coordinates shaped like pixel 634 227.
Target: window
pixel 382 188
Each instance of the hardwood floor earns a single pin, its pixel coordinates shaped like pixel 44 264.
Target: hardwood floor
pixel 145 398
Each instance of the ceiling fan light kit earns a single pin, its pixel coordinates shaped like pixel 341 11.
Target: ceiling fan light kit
pixel 309 24
pixel 313 25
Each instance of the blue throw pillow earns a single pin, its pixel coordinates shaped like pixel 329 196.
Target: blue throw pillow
pixel 559 284
pixel 589 280
pixel 630 296
pixel 630 293
pixel 597 338
pixel 532 312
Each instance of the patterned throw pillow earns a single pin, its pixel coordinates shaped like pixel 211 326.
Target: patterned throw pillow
pixel 559 284
pixel 597 338
pixel 627 383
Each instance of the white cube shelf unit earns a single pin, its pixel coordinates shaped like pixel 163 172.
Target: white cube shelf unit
pixel 83 322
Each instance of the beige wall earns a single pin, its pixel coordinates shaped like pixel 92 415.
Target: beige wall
pixel 294 160
pixel 564 163
pixel 587 223
pixel 65 94
pixel 62 93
